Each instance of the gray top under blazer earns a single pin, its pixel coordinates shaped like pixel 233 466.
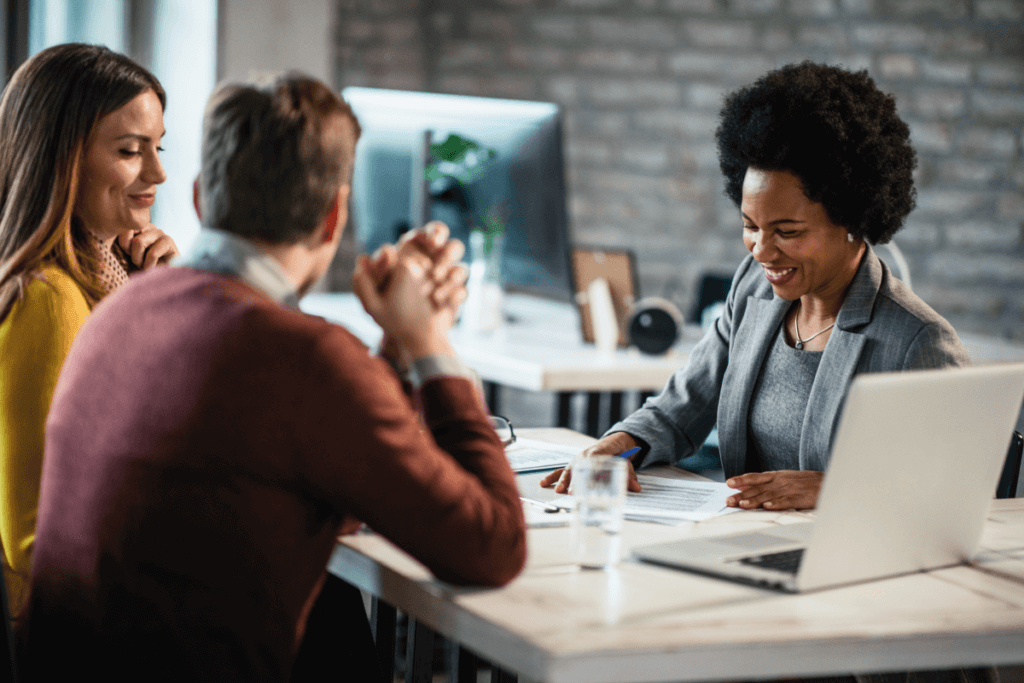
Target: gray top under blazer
pixel 882 327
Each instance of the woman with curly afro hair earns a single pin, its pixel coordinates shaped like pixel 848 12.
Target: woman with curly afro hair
pixel 820 166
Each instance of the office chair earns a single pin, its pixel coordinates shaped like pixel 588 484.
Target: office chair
pixel 1011 468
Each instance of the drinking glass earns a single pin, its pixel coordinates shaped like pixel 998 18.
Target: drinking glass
pixel 599 497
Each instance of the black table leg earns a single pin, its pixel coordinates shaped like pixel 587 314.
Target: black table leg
pixel 419 658
pixel 593 413
pixel 614 408
pixel 502 676
pixel 564 415
pixel 463 664
pixel 492 390
pixel 382 620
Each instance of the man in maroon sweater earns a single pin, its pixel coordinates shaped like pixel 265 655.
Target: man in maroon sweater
pixel 207 441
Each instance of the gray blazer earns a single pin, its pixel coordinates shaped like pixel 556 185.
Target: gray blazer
pixel 882 327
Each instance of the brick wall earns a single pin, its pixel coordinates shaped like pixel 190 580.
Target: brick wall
pixel 641 82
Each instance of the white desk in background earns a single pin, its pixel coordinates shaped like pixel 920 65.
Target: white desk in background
pixel 643 623
pixel 540 348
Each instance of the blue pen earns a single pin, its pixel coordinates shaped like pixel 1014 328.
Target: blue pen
pixel 630 452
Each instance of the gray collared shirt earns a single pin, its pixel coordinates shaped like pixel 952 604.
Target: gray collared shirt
pixel 217 251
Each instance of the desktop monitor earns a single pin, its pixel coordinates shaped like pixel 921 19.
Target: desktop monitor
pixel 523 182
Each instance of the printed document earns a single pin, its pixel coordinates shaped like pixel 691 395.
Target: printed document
pixel 528 455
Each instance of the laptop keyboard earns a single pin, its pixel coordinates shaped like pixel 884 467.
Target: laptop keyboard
pixel 787 561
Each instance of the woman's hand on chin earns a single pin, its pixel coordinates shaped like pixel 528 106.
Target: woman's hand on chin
pixel 147 247
pixel 781 490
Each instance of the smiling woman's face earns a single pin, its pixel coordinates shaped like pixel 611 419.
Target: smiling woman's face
pixel 121 168
pixel 800 249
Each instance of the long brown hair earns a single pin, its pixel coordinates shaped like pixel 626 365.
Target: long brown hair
pixel 49 109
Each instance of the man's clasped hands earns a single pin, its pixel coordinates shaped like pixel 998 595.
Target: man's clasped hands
pixel 413 290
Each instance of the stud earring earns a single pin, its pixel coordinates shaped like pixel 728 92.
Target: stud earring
pixel 849 237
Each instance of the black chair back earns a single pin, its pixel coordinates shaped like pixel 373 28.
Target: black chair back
pixel 1011 468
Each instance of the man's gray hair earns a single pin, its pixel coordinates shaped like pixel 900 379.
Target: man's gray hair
pixel 274 156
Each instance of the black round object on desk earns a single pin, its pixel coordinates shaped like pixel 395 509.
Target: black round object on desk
pixel 654 325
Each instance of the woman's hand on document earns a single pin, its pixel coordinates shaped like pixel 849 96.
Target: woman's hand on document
pixel 613 444
pixel 781 490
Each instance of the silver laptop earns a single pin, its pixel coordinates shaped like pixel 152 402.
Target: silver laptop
pixel 914 468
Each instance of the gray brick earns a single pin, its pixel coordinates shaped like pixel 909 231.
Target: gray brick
pixel 776 38
pixel 1011 206
pixel 964 171
pixel 918 234
pixel 823 36
pixel 736 68
pixel 393 58
pixel 632 183
pixel 535 57
pixel 442 23
pixel 601 123
pixel 976 269
pixel 466 54
pixel 556 28
pixel 493 24
pixel 755 6
pixel 851 62
pixel 922 9
pixel 606 59
pixel 901 66
pixel 983 235
pixel 358 30
pixel 488 86
pixel 641 32
pixel 1000 10
pixel 812 8
pixel 678 121
pixel 650 158
pixel 563 89
pixel 590 151
pixel 586 4
pixel 519 4
pixel 1017 174
pixel 931 137
pixel 857 7
pixel 890 36
pixel 996 104
pixel 946 71
pixel 988 142
pixel 1008 73
pixel 949 202
pixel 639 92
pixel 940 103
pixel 692 6
pixel 395 80
pixel 733 34
pixel 957 41
pixel 707 96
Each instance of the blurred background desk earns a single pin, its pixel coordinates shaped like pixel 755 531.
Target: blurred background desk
pixel 540 348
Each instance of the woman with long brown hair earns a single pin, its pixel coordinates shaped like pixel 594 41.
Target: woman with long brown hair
pixel 80 130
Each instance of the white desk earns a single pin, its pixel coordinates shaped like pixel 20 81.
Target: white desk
pixel 644 623
pixel 540 349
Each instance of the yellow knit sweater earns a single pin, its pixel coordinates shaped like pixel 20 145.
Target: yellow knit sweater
pixel 34 340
